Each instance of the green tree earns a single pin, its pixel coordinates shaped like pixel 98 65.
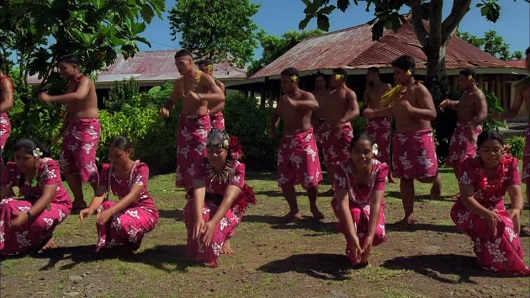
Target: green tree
pixel 388 16
pixel 217 30
pixel 274 47
pixel 491 43
pixel 38 32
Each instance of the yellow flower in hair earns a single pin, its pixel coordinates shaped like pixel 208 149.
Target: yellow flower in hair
pixel 409 72
pixel 294 78
pixel 339 77
pixel 470 77
pixel 210 67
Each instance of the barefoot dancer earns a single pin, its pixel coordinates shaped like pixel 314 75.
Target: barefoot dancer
pixel 480 211
pixel 321 94
pixel 216 204
pixel 414 154
pixel 123 223
pixel 7 89
pixel 380 129
pixel 472 110
pixel 196 91
pixel 82 128
pixel 360 183
pixel 298 161
pixel 340 109
pixel 522 96
pixel 27 223
pixel 215 110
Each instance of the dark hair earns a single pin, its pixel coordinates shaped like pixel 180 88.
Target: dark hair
pixel 373 69
pixel 466 72
pixel 204 62
pixel 290 71
pixel 72 59
pixel 362 136
pixel 28 145
pixel 1 62
pixel 183 53
pixel 489 134
pixel 121 142
pixel 527 52
pixel 405 62
pixel 340 71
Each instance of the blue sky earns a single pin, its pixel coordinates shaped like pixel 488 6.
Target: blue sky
pixel 279 16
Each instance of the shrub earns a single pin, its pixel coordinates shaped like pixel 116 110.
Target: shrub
pixel 516 145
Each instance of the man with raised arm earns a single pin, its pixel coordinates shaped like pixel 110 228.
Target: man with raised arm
pixel 414 153
pixel 298 161
pixel 81 128
pixel 196 91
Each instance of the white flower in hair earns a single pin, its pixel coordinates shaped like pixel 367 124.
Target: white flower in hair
pixel 375 149
pixel 37 153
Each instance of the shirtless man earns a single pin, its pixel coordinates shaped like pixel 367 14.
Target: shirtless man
pixel 522 95
pixel 81 130
pixel 472 110
pixel 414 153
pixel 7 89
pixel 380 129
pixel 340 109
pixel 196 91
pixel 298 161
pixel 215 109
pixel 321 94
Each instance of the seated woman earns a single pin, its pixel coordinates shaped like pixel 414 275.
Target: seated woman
pixel 480 211
pixel 360 183
pixel 216 206
pixel 123 223
pixel 27 222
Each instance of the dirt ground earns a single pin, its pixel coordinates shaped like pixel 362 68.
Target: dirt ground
pixel 302 259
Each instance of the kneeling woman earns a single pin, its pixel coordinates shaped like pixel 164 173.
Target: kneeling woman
pixel 360 183
pixel 123 223
pixel 480 211
pixel 27 223
pixel 217 204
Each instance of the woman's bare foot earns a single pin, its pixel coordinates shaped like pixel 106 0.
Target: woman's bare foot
pixel 526 230
pixel 227 249
pixel 210 264
pixel 436 189
pixel 49 245
pixel 291 216
pixel 79 204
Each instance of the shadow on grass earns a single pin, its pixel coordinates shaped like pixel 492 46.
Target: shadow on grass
pixel 436 266
pixel 306 223
pixel 422 198
pixel 423 227
pixel 261 175
pixel 177 214
pixel 321 266
pixel 163 257
pixel 277 193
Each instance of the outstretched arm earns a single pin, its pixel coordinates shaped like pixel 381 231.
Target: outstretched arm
pixel 308 103
pixel 215 94
pixel 80 94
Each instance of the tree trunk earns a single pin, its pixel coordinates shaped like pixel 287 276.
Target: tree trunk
pixel 436 80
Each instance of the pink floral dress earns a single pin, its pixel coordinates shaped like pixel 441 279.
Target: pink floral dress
pixel 360 199
pixel 503 252
pixel 215 190
pixel 36 232
pixel 129 226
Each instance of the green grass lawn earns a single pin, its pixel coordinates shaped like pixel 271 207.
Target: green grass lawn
pixel 270 259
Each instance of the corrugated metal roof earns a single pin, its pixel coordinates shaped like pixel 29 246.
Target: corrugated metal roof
pixel 154 66
pixel 517 63
pixel 353 47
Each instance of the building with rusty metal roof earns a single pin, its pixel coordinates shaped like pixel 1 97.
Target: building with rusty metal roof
pixel 353 49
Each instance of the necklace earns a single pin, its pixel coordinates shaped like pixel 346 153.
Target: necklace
pixel 223 176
